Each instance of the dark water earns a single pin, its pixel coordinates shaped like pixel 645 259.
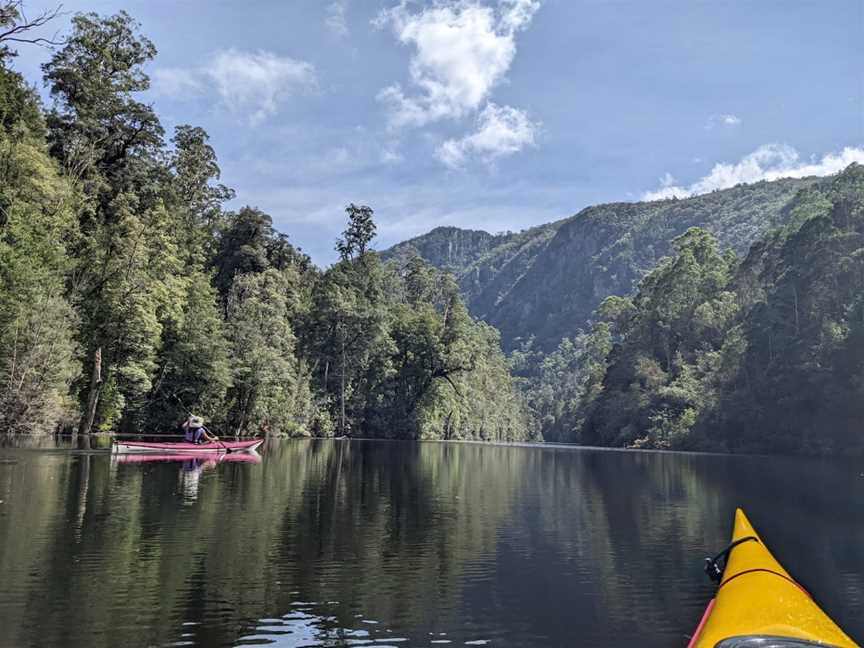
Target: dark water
pixel 393 544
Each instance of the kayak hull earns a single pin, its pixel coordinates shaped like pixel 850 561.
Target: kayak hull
pixel 182 448
pixel 758 597
pixel 246 456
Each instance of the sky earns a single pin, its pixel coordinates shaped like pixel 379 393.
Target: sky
pixel 496 114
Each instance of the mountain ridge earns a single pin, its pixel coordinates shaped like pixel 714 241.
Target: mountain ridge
pixel 544 282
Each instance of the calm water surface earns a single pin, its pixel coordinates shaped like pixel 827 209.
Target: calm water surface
pixel 329 543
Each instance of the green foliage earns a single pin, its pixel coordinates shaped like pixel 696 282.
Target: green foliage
pixel 195 168
pixel 195 370
pixel 248 243
pixel 716 354
pixel 448 378
pixel 655 384
pixel 38 353
pixel 798 387
pixel 270 388
pixel 398 356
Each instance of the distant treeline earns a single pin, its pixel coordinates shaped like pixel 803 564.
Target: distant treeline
pixel 764 353
pixel 130 296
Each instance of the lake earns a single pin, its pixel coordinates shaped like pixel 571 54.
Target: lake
pixel 374 543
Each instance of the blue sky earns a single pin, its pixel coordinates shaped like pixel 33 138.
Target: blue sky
pixel 498 114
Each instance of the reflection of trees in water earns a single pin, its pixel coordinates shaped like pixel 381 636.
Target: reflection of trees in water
pixel 630 528
pixel 644 549
pixel 33 493
pixel 421 536
pixel 377 526
pixel 401 521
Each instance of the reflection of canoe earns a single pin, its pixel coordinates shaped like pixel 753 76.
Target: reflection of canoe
pixel 143 457
pixel 759 604
pixel 193 449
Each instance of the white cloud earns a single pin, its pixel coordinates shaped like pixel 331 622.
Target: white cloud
pixel 462 49
pixel 723 119
pixel 173 82
pixel 335 19
pixel 501 131
pixel 768 162
pixel 255 82
pixel 249 83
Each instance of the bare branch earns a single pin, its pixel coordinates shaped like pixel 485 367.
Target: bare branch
pixel 13 18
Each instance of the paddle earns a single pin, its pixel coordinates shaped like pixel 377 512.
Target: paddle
pixel 224 447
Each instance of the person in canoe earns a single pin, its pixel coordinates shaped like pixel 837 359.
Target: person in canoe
pixel 195 432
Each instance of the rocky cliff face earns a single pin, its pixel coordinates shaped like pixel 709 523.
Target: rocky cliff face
pixel 449 248
pixel 546 281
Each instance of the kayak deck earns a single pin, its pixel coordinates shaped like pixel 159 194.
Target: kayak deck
pixel 757 596
pixel 184 448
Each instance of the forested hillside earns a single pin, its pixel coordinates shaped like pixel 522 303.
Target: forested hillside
pixel 545 282
pixel 762 353
pixel 129 295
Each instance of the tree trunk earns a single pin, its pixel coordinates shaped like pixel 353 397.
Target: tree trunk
pixel 342 390
pixel 93 396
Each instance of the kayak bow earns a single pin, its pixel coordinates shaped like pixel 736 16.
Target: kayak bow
pixel 759 604
pixel 195 449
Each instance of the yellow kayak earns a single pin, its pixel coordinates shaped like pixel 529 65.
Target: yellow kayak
pixel 759 604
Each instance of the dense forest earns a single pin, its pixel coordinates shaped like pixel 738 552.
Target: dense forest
pixel 762 353
pixel 130 295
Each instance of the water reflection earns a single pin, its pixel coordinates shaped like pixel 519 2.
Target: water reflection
pixel 382 543
pixel 191 466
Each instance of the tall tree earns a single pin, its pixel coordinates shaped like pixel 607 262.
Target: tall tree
pixel 358 235
pixel 199 197
pixel 242 247
pixel 109 142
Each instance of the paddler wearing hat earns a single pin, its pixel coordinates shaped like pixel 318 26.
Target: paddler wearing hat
pixel 195 432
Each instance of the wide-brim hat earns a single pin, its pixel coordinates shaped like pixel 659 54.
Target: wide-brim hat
pixel 196 422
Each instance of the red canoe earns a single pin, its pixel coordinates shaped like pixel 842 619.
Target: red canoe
pixel 193 449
